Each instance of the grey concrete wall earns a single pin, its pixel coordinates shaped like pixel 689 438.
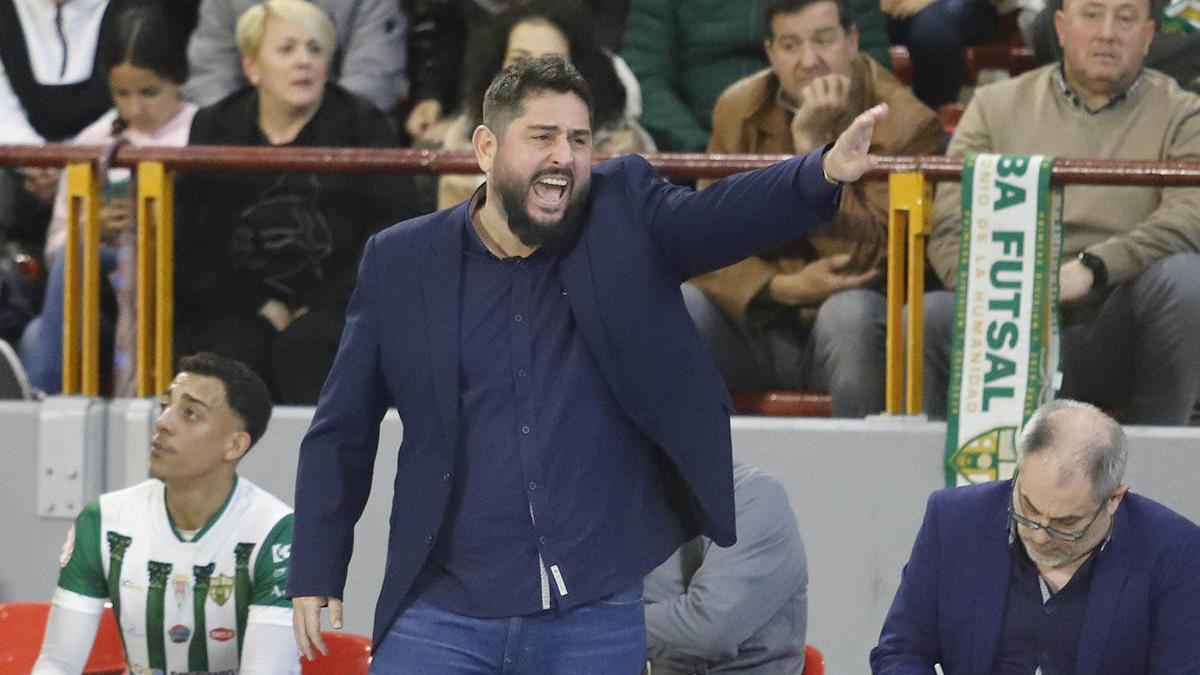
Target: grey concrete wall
pixel 858 489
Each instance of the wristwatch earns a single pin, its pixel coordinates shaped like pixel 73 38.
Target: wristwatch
pixel 828 179
pixel 1099 270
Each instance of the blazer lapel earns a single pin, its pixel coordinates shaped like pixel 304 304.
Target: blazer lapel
pixel 441 280
pixel 1108 581
pixel 576 269
pixel 992 562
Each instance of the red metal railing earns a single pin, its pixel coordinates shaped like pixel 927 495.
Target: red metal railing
pixel 909 224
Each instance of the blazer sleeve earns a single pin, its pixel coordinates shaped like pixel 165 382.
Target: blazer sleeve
pixel 1174 648
pixel 908 643
pixel 734 218
pixel 337 455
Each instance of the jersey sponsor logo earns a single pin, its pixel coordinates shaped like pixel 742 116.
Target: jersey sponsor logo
pixel 220 588
pixel 280 553
pixel 180 583
pixel 277 592
pixel 68 548
pixel 179 633
pixel 221 634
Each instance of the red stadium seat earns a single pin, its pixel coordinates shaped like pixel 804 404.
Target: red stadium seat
pixel 349 654
pixel 777 403
pixel 23 624
pixel 814 661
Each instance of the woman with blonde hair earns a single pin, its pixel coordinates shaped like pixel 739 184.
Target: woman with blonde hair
pixel 265 262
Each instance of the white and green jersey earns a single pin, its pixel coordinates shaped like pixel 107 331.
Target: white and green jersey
pixel 182 603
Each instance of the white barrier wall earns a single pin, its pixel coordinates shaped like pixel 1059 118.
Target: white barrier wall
pixel 858 489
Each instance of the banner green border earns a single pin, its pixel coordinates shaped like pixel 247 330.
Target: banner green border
pixel 960 319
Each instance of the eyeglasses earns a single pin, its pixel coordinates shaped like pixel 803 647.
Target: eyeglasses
pixel 1053 532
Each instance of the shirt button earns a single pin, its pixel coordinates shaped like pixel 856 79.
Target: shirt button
pixel 1049 609
pixel 521 372
pixel 541 540
pixel 518 318
pixel 429 539
pixel 446 477
pixel 532 485
pixel 525 429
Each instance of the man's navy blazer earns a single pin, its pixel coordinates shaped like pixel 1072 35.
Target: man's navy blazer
pixel 642 238
pixel 1143 607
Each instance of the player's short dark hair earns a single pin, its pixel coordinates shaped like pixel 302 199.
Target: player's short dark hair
pixel 773 7
pixel 504 100
pixel 245 391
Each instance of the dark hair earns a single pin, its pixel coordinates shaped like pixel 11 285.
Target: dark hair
pixel 485 57
pixel 774 7
pixel 505 98
pixel 244 390
pixel 146 37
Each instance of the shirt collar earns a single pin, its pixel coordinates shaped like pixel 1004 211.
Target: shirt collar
pixel 1074 99
pixel 786 101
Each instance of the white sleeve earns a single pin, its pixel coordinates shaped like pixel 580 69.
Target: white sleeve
pixel 15 128
pixel 270 645
pixel 70 632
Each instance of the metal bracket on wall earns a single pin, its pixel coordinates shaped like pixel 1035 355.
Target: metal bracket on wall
pixel 71 432
pixel 139 429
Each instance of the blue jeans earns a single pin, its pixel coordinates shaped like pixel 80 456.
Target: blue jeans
pixel 937 38
pixel 41 344
pixel 602 637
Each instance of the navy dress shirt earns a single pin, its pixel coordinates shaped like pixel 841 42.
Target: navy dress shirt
pixel 1036 633
pixel 559 498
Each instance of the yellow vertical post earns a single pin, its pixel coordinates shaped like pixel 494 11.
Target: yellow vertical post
pixel 159 181
pixel 910 199
pixel 149 196
pixel 896 269
pixel 919 228
pixel 81 291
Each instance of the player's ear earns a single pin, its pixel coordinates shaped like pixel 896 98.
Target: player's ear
pixel 237 446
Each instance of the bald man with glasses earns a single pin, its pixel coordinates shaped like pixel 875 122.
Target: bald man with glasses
pixel 1060 570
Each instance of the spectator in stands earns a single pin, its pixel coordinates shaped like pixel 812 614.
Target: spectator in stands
pixel 196 531
pixel 811 315
pixel 265 262
pixel 938 32
pixel 1130 270
pixel 739 609
pixel 526 31
pixel 49 87
pixel 685 53
pixel 1173 50
pixel 370 61
pixel 1059 570
pixel 440 28
pixel 50 90
pixel 146 67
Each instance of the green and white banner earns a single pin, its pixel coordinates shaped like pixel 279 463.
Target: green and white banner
pixel 1005 358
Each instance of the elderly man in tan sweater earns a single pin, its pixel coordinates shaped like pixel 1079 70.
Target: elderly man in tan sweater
pixel 811 315
pixel 1130 276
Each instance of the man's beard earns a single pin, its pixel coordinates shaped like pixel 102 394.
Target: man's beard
pixel 557 235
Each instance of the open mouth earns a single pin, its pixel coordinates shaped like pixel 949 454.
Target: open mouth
pixel 551 191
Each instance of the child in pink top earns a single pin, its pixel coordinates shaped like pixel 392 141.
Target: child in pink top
pixel 146 67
